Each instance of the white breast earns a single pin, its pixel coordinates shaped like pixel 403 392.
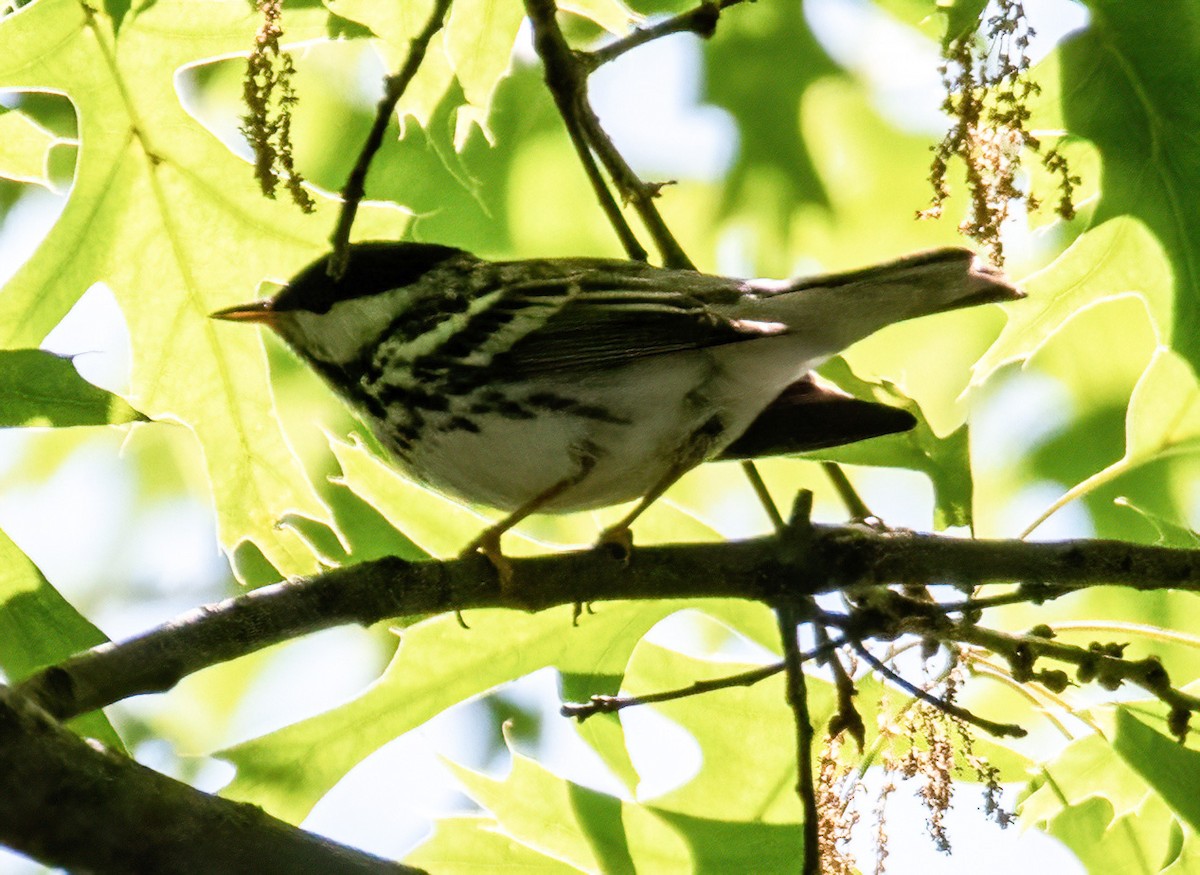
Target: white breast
pixel 659 401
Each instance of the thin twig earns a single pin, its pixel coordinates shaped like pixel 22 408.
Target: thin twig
pixel 566 77
pixel 1037 696
pixel 847 719
pixel 611 704
pixel 701 21
pixel 849 495
pixel 1019 595
pixel 1108 669
pixel 797 698
pixel 394 88
pixel 1000 730
pixel 764 495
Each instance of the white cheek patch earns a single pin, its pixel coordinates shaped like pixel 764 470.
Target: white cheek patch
pixel 340 335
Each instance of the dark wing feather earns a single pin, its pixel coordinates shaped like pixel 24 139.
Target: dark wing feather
pixel 620 313
pixel 807 416
pixel 592 338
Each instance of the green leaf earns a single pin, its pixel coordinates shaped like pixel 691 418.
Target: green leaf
pixel 174 224
pixel 1163 420
pixel 1171 532
pixel 1092 799
pixel 748 774
pixel 439 527
pixel 767 43
pixel 396 25
pixel 25 148
pixel 962 17
pixel 1086 769
pixel 39 388
pixel 1188 860
pixel 720 846
pixel 38 627
pixel 470 845
pixel 1118 258
pixel 479 42
pixel 1164 410
pixel 944 460
pixel 1127 85
pixel 591 831
pixel 1171 770
pixel 437 665
pixel 612 15
pixel 1103 843
pixel 117 10
pixel 475 47
pixel 595 832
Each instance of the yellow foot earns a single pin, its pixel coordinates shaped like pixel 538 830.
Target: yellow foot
pixel 488 544
pixel 618 541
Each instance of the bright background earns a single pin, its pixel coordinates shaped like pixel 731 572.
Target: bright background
pixel 134 508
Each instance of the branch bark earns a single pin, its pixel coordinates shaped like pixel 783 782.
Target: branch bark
pixel 71 803
pixel 774 570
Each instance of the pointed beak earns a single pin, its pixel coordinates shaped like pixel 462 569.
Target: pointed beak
pixel 259 311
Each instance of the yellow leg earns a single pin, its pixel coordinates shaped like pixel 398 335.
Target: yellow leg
pixel 488 541
pixel 619 536
pixel 691 454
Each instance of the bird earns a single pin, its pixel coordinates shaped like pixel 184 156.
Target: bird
pixel 555 385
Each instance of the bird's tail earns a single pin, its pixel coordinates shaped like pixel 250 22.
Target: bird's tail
pixel 839 309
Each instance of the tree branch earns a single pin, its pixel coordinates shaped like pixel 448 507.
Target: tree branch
pixel 71 803
pixel 1000 730
pixel 847 493
pixel 701 21
pixel 566 77
pixel 581 711
pixel 394 88
pixel 772 570
pixel 797 698
pixel 1104 664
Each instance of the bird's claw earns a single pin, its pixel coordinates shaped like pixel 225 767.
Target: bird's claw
pixel 874 524
pixel 488 544
pixel 618 542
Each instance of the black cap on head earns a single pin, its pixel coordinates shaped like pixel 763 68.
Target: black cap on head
pixel 374 266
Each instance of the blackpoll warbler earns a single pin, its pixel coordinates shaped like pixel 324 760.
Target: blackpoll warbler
pixel 572 383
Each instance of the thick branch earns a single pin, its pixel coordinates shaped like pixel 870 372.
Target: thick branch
pixel 73 804
pixel 771 570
